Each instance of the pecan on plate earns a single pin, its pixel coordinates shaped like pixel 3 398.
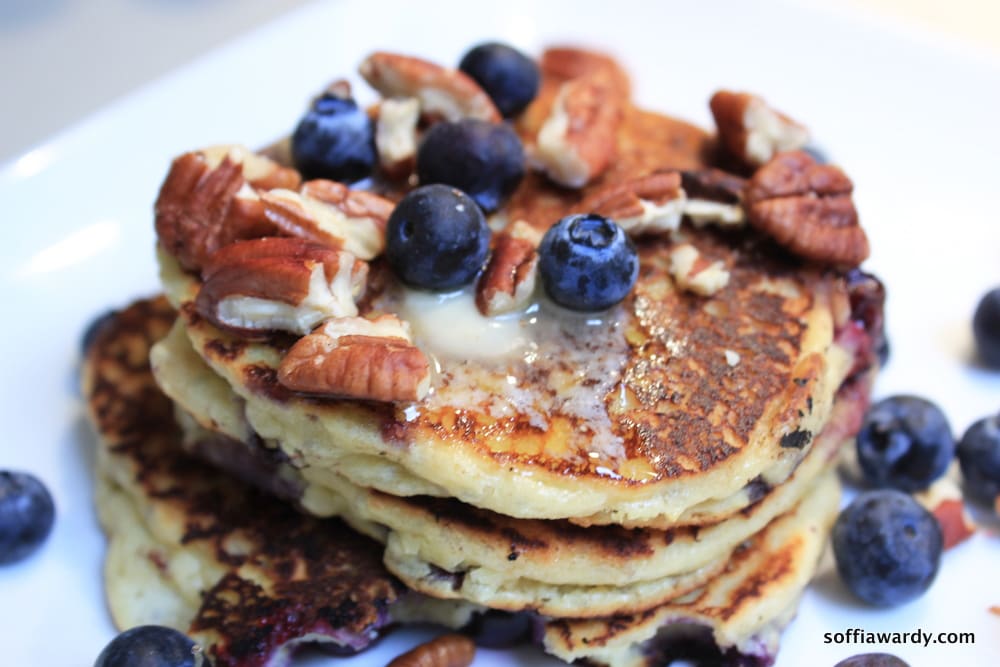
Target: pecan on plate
pixel 807 208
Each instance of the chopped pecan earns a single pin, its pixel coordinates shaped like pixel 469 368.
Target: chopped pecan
pixel 713 196
pixel 278 284
pixel 331 214
pixel 568 62
pixel 446 93
pixel 260 171
pixel 691 271
pixel 358 358
pixel 751 130
pixel 652 203
pixel 807 208
pixel 396 135
pixel 579 138
pixel 944 500
pixel 446 651
pixel 510 276
pixel 201 207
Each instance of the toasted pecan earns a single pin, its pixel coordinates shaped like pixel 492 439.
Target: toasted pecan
pixel 751 130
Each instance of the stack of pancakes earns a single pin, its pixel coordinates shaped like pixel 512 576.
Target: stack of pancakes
pixel 630 479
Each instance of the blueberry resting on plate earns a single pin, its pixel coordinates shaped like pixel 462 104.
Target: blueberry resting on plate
pixel 872 660
pixel 986 327
pixel 484 160
pixel 335 140
pixel 437 238
pixel 508 76
pixel 979 457
pixel 26 515
pixel 905 443
pixel 150 646
pixel 587 262
pixel 887 547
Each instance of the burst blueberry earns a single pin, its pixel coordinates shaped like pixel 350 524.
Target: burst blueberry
pixel 484 160
pixel 26 515
pixel 587 263
pixel 887 547
pixel 905 443
pixel 986 327
pixel 437 238
pixel 150 646
pixel 979 458
pixel 335 140
pixel 508 76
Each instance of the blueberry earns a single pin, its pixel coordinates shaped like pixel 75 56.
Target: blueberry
pixel 587 262
pixel 905 443
pixel 887 547
pixel 94 329
pixel 484 160
pixel 335 139
pixel 979 457
pixel 500 629
pixel 437 238
pixel 986 327
pixel 872 660
pixel 508 76
pixel 150 646
pixel 26 515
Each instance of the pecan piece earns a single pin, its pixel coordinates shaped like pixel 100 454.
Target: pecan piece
pixel 692 272
pixel 579 138
pixel 653 203
pixel 354 357
pixel 445 651
pixel 203 206
pixel 751 130
pixel 260 171
pixel 713 197
pixel 510 276
pixel 396 135
pixel 807 207
pixel 254 287
pixel 331 214
pixel 569 62
pixel 944 500
pixel 445 93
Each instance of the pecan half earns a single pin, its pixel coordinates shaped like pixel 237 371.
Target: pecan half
pixel 446 651
pixel 692 272
pixel 579 138
pixel 360 358
pixel 807 207
pixel 653 203
pixel 751 130
pixel 396 135
pixel 510 276
pixel 203 206
pixel 445 93
pixel 331 214
pixel 278 284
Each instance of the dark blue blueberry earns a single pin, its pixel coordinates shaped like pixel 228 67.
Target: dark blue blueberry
pixel 334 140
pixel 905 443
pixel 986 327
pixel 26 515
pixel 508 76
pixel 887 547
pixel 437 238
pixel 587 262
pixel 150 646
pixel 483 160
pixel 979 457
pixel 872 660
pixel 500 629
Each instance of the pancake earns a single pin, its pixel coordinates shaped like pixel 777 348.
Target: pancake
pixel 247 577
pixel 430 537
pixel 197 550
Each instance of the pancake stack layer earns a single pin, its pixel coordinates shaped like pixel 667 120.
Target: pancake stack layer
pixel 631 479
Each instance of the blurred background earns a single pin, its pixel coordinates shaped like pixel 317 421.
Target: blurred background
pixel 63 59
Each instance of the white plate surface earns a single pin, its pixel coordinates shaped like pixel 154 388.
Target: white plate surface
pixel 913 123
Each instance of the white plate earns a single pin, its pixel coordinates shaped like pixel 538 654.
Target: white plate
pixel 913 124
